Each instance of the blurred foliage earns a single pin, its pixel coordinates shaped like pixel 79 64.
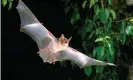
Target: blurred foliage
pixel 103 30
pixel 9 2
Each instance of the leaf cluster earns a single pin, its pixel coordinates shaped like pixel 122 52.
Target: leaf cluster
pixel 102 30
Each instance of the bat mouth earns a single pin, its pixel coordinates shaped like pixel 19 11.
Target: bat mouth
pixel 64 41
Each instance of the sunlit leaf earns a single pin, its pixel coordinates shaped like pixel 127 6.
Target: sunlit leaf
pixel 75 17
pixel 113 13
pixel 110 2
pixel 84 4
pixel 111 49
pixel 129 30
pixel 88 70
pixel 104 15
pixel 92 2
pixel 107 37
pixel 99 69
pixel 4 2
pixel 99 39
pixel 110 46
pixel 131 20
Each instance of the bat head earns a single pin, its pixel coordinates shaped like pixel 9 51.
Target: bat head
pixel 64 41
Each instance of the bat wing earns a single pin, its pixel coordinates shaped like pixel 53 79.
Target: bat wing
pixel 31 26
pixel 79 58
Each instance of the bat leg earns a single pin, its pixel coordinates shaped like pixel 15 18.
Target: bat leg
pixel 50 54
pixel 54 59
pixel 53 55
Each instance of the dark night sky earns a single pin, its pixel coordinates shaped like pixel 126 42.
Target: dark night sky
pixel 19 58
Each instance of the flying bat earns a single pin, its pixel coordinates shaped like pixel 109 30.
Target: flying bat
pixel 52 49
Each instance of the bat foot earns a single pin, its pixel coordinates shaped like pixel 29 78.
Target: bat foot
pixel 54 60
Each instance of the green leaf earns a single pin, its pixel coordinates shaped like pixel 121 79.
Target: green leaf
pixel 114 77
pixel 111 50
pixel 84 44
pixel 113 13
pixel 99 39
pixel 90 36
pixel 129 30
pixel 92 2
pixel 110 2
pixel 123 36
pixel 103 57
pixel 99 69
pixel 75 17
pixel 104 15
pixel 94 52
pixel 100 51
pixel 88 70
pixel 123 25
pixel 89 25
pixel 109 23
pixel 99 31
pixel 4 2
pixel 96 9
pixel 84 4
pixel 10 4
pixel 110 46
pixel 109 57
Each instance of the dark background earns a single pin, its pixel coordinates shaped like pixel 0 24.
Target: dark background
pixel 20 60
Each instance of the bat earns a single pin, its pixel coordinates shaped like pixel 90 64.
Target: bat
pixel 52 49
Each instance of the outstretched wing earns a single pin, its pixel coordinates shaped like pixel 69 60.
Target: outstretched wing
pixel 79 58
pixel 31 26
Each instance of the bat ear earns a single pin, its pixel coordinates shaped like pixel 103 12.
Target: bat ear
pixel 69 39
pixel 62 36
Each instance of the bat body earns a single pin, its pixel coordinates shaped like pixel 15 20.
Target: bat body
pixel 51 48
